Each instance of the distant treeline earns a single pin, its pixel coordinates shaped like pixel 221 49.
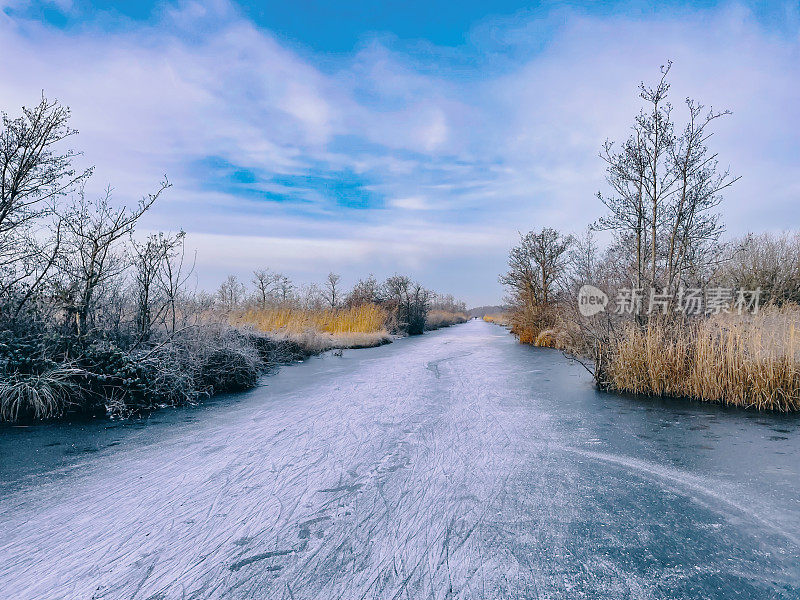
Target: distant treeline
pixel 482 311
pixel 408 305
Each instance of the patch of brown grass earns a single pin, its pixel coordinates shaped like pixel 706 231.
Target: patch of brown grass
pixel 540 325
pixel 497 319
pixel 552 338
pixel 436 319
pixel 355 327
pixel 751 361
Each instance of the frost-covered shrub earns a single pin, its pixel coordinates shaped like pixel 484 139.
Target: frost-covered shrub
pixel 274 350
pixel 23 354
pixel 229 370
pixel 120 383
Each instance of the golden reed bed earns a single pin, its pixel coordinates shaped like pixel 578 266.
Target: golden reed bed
pixel 751 361
pixel 356 327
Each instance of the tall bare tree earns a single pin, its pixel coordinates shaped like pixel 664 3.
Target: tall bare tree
pixel 692 223
pixel 173 275
pixel 332 290
pixel 149 261
pixel 642 177
pixel 34 174
pixel 665 187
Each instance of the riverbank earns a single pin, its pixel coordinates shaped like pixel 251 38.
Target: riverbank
pixel 197 363
pixel 750 361
pixel 104 379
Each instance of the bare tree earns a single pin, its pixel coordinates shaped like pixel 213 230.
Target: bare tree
pixel 37 261
pixel 365 291
pixel 629 216
pixel 769 262
pixel 642 178
pixel 446 302
pixel 411 301
pixel 149 258
pixel 419 303
pixel 92 255
pixel 312 298
pixel 665 187
pixel 521 275
pixel 230 292
pixel 173 274
pixel 33 175
pixel 655 128
pixel 285 288
pixel 265 282
pixel 332 292
pixel 584 259
pixel 537 266
pixel 692 224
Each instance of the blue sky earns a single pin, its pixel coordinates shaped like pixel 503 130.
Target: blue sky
pixel 403 136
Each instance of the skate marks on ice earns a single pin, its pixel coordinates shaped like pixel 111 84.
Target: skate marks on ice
pixel 425 469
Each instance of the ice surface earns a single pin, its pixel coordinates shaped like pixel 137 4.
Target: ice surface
pixel 455 465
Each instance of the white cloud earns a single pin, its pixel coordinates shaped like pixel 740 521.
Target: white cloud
pixel 411 203
pixel 512 146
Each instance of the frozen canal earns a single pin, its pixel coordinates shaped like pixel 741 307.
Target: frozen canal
pixel 456 465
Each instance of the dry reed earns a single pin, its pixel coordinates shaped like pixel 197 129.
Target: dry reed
pixel 437 318
pixel 355 327
pixel 497 319
pixel 751 361
pixel 540 325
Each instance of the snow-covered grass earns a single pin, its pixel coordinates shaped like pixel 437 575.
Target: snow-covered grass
pixel 42 395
